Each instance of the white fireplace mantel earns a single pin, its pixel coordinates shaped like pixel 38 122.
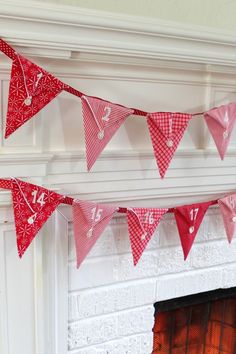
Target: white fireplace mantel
pixel 107 305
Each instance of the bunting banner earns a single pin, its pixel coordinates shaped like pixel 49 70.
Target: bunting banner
pixel 32 88
pixel 228 211
pixel 101 121
pixel 90 219
pixel 188 219
pixel 220 122
pixel 142 223
pixel 33 205
pixel 166 131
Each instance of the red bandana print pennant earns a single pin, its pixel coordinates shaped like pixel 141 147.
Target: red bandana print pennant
pixel 31 89
pixel 32 206
pixel 220 122
pixel 142 222
pixel 228 211
pixel 188 219
pixel 101 120
pixel 90 220
pixel 166 130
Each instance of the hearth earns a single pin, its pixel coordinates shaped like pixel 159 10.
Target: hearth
pixel 204 323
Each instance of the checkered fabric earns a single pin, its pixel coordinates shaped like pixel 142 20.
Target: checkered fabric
pixel 228 211
pixel 188 219
pixel 166 130
pixel 142 222
pixel 32 206
pixel 220 122
pixel 89 221
pixel 101 120
pixel 31 89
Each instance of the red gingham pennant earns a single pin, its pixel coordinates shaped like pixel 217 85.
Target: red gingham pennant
pixel 89 220
pixel 166 130
pixel 220 122
pixel 228 211
pixel 101 120
pixel 32 206
pixel 142 222
pixel 188 219
pixel 31 89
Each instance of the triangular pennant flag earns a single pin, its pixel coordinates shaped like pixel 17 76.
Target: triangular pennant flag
pixel 31 89
pixel 101 121
pixel 32 206
pixel 89 220
pixel 142 222
pixel 166 130
pixel 188 219
pixel 228 211
pixel 220 122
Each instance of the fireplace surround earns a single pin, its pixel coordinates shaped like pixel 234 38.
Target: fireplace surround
pixel 107 305
pixel 197 324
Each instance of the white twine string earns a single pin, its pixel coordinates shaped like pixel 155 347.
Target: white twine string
pixel 39 76
pixel 23 195
pixel 140 224
pixel 94 116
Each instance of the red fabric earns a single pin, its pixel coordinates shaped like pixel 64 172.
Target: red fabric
pixel 89 220
pixel 142 222
pixel 32 206
pixel 228 211
pixel 5 183
pixel 7 49
pixel 101 120
pixel 188 219
pixel 166 130
pixel 28 80
pixel 220 122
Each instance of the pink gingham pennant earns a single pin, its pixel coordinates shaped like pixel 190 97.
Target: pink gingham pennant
pixel 166 130
pixel 220 122
pixel 228 211
pixel 31 89
pixel 142 222
pixel 32 206
pixel 101 120
pixel 90 220
pixel 188 219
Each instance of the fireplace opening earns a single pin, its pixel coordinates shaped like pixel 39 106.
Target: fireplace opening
pixel 197 324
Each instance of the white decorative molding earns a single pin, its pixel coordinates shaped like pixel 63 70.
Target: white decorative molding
pixel 65 31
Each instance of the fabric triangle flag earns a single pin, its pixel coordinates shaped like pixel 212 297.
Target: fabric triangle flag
pixel 188 219
pixel 90 220
pixel 142 222
pixel 166 130
pixel 228 211
pixel 101 121
pixel 220 122
pixel 31 89
pixel 32 206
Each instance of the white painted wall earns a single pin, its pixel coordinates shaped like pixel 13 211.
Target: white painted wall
pixel 107 303
pixel 218 14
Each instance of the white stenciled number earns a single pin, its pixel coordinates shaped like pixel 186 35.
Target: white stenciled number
pixel 149 218
pixel 107 112
pixel 96 214
pixel 40 199
pixel 193 214
pixel 232 203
